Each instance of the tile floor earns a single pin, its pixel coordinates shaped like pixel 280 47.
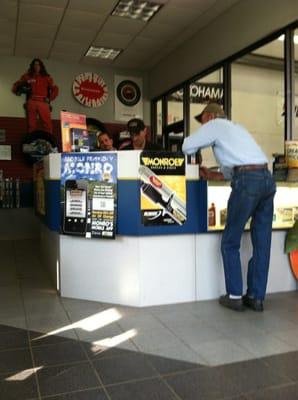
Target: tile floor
pixel 64 349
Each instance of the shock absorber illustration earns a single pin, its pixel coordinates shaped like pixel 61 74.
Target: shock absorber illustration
pixel 159 193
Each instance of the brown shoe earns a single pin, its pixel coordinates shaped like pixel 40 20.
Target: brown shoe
pixel 254 304
pixel 233 304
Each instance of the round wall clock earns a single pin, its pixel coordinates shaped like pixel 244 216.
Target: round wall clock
pixel 90 89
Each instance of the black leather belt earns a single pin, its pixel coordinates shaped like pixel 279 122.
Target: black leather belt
pixel 250 167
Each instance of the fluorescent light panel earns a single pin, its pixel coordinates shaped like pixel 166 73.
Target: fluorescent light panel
pixel 136 9
pixel 103 52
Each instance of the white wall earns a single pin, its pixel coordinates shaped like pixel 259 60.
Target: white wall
pixel 11 68
pixel 242 25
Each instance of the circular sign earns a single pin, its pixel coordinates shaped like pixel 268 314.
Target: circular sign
pixel 128 92
pixel 90 89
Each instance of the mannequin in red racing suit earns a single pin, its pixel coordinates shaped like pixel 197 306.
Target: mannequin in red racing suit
pixel 40 90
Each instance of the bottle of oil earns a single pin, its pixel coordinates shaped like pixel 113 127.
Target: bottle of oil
pixel 212 215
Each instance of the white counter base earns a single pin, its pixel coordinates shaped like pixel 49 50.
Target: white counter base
pixel 151 270
pixel 209 268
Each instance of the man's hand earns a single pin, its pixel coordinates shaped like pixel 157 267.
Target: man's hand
pixel 206 174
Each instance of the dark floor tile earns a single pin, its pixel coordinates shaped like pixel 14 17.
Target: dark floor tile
pixel 14 339
pixel 205 383
pixel 252 375
pixel 39 339
pixel 15 360
pixel 166 365
pixel 284 364
pixel 7 328
pixel 125 368
pixel 67 378
pixel 55 354
pixel 93 394
pixel 16 387
pixel 288 392
pixel 151 389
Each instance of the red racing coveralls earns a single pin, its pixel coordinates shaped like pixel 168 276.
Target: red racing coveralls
pixel 42 92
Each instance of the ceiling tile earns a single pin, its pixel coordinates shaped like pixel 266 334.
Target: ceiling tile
pixel 71 47
pixel 75 35
pixel 95 6
pixel 40 14
pixel 194 4
pixel 7 27
pixel 123 25
pixel 67 57
pixel 178 16
pixel 106 39
pixel 82 20
pixel 163 31
pixel 48 3
pixel 9 9
pixel 145 45
pixel 6 51
pixel 33 47
pixel 29 29
pixel 6 41
pixel 130 59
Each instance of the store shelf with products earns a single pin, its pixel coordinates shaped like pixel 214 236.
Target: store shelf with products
pixel 285 205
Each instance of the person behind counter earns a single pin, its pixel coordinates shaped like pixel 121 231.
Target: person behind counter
pixel 253 190
pixel 138 137
pixel 105 142
pixel 40 90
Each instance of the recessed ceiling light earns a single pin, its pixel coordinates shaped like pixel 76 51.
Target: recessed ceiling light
pixel 103 52
pixel 136 9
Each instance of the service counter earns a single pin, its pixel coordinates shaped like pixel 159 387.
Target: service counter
pixel 148 265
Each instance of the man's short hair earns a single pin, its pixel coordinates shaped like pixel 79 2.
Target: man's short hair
pixel 135 125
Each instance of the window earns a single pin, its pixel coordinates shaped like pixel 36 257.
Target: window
pixel 202 91
pixel 258 95
pixel 159 118
pixel 175 106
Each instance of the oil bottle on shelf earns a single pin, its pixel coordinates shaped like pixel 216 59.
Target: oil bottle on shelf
pixel 212 215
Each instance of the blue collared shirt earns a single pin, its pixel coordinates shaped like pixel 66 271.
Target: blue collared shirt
pixel 232 145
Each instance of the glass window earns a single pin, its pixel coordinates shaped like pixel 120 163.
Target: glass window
pixel 258 96
pixel 202 91
pixel 175 106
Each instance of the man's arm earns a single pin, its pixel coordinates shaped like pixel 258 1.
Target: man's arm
pixel 201 138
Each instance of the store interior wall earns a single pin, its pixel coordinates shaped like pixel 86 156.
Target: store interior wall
pixel 243 24
pixel 12 113
pixel 11 68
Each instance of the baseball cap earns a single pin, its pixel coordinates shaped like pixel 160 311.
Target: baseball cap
pixel 213 108
pixel 135 125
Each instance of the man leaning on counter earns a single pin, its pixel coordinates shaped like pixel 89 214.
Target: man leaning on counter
pixel 253 189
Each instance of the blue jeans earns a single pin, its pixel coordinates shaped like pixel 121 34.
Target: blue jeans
pixel 252 196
